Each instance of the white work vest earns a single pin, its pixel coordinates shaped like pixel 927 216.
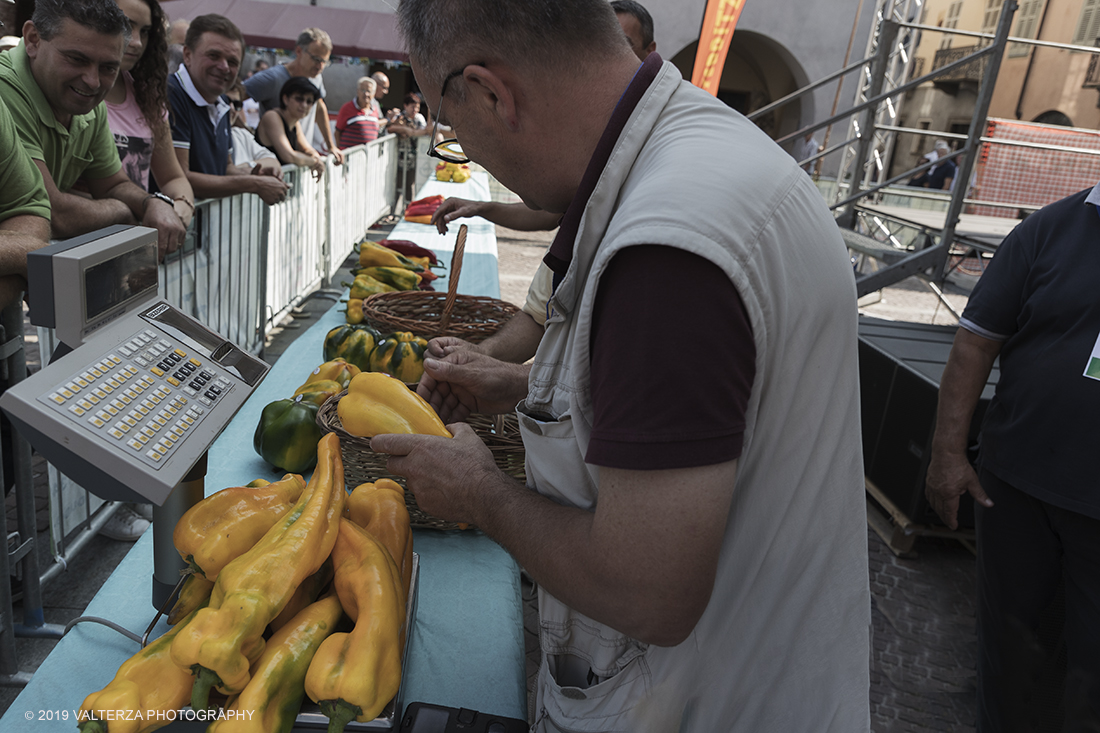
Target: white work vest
pixel 783 645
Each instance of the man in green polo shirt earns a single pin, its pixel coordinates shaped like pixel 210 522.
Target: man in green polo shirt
pixel 53 83
pixel 24 211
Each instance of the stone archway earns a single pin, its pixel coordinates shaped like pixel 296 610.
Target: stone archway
pixel 1054 117
pixel 758 71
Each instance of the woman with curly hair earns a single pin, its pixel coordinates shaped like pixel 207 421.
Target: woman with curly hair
pixel 137 108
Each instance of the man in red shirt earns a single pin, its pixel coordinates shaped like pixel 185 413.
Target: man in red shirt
pixel 357 122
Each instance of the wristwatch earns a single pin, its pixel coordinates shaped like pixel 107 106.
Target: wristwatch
pixel 158 195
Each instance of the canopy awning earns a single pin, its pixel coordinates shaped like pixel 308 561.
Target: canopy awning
pixel 356 33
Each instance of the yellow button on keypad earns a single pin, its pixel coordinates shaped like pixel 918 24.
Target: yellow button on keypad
pixel 157 370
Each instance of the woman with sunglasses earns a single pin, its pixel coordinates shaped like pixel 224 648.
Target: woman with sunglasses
pixel 280 132
pixel 137 108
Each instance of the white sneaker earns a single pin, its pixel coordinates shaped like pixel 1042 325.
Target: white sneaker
pixel 145 511
pixel 124 525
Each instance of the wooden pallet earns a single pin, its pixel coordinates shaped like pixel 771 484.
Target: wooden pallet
pixel 898 531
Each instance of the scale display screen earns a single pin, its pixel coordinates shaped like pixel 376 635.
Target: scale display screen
pixel 119 279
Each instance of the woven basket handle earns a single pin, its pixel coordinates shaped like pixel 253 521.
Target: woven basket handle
pixel 452 279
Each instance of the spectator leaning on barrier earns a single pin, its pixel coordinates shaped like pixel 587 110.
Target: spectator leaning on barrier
pixel 246 152
pixel 1036 494
pixel 311 57
pixel 137 108
pixel 357 123
pixel 200 119
pixel 24 211
pixel 381 89
pixel 280 129
pixel 407 124
pixel 53 84
pixel 699 539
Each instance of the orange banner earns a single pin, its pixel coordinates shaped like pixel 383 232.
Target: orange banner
pixel 714 42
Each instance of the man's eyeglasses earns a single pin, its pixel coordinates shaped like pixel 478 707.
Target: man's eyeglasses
pixel 325 63
pixel 447 150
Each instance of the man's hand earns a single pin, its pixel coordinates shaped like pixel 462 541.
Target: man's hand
pixel 950 475
pixel 440 346
pixel 317 168
pixel 271 190
pixel 466 381
pixel 268 167
pixel 337 154
pixel 443 473
pixel 455 208
pixel 170 230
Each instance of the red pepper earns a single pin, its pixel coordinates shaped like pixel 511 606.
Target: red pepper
pixel 421 209
pixel 436 200
pixel 409 249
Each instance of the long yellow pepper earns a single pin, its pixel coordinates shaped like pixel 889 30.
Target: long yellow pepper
pixel 221 642
pixel 353 675
pixel 377 403
pixel 226 524
pixel 380 509
pixel 147 683
pixel 273 697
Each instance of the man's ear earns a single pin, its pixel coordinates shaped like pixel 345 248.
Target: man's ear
pixel 31 39
pixel 494 90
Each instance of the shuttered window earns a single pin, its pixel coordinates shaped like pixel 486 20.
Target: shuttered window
pixel 1088 27
pixel 991 15
pixel 952 21
pixel 1027 21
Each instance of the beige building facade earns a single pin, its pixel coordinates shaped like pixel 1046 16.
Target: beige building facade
pixel 1035 84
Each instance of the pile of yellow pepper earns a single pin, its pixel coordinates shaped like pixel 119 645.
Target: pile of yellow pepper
pixel 327 572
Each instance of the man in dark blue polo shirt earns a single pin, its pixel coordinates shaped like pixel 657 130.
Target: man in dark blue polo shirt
pixel 1037 496
pixel 200 123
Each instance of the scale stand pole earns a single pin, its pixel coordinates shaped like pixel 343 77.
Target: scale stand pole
pixel 167 563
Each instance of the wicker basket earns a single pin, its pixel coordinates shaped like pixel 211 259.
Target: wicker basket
pixel 429 314
pixel 362 465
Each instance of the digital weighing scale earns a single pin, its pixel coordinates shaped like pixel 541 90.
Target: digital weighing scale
pixel 137 392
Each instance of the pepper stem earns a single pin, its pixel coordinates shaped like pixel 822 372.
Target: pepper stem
pixel 91 726
pixel 204 680
pixel 339 714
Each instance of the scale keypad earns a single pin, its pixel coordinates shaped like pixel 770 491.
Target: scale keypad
pixel 147 394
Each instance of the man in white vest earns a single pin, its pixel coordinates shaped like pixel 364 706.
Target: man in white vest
pixel 694 513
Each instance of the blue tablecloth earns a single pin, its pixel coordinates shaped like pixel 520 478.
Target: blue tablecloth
pixel 467 646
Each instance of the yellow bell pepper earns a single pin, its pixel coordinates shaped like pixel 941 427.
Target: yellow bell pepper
pixel 338 370
pixel 274 695
pixel 224 525
pixel 353 675
pixel 380 509
pixel 354 312
pixel 148 682
pixel 377 403
pixel 222 640
pixel 318 392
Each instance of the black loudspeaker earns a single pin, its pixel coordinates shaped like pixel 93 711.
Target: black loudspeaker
pixel 900 367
